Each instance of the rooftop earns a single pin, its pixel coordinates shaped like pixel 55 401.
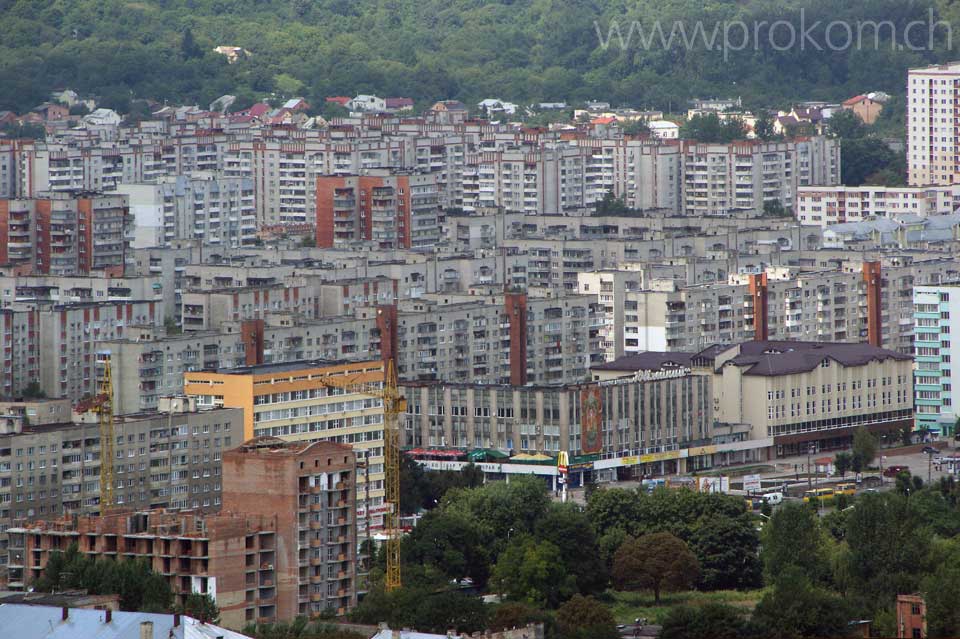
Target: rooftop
pixel 46 622
pixel 286 367
pixel 774 358
pixel 648 361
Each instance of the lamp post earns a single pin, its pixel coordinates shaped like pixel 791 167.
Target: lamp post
pixel 810 452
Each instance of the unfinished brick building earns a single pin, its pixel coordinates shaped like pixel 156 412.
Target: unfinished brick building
pixel 284 544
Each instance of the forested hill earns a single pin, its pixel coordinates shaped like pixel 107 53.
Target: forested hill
pixel 517 50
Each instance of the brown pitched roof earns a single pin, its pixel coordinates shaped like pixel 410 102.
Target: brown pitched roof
pixel 647 361
pixel 774 358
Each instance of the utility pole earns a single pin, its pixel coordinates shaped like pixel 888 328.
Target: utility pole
pixel 809 479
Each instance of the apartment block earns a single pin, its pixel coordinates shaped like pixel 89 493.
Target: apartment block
pixel 935 308
pixel 824 206
pixel 389 209
pixel 200 206
pixel 69 337
pixel 295 402
pixel 748 175
pixel 171 459
pixel 805 394
pixel 837 305
pixel 932 93
pixel 65 234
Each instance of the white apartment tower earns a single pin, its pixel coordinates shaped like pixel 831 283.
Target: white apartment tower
pixel 933 115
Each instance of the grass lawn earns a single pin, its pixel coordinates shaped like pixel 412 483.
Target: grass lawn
pixel 627 606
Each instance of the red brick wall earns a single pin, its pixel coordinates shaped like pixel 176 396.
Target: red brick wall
pixel 758 291
pixel 515 306
pixel 874 281
pixel 326 186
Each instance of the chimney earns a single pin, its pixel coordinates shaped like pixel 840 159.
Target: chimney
pixel 108 617
pixel 146 630
pixel 64 613
pixel 176 620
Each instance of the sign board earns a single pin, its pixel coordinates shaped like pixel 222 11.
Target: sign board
pixel 714 484
pixel 751 482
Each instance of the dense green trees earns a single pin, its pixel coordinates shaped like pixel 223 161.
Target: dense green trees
pixel 534 572
pixel 716 621
pixel 715 527
pixel 585 618
pixel 710 128
pixel 423 489
pixel 430 49
pixel 140 588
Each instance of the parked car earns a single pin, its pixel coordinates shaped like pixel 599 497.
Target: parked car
pixel 930 450
pixel 893 471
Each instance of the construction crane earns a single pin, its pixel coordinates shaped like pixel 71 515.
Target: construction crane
pixel 102 405
pixel 393 405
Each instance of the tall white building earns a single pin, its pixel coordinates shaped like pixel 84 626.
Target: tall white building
pixel 936 309
pixel 932 121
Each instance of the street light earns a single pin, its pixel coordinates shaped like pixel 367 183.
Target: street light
pixel 810 451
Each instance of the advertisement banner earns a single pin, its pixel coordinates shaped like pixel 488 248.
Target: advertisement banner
pixel 591 414
pixel 751 482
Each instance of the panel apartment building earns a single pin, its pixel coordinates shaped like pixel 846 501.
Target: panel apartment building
pixel 825 206
pixel 936 308
pixel 748 175
pixel 65 234
pixel 390 209
pixel 932 94
pixel 852 304
pixel 283 546
pixel 200 206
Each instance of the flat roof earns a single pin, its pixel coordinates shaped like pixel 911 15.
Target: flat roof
pixel 285 367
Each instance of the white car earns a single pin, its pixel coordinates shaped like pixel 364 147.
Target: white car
pixel 774 499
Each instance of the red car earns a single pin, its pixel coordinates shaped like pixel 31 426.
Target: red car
pixel 893 471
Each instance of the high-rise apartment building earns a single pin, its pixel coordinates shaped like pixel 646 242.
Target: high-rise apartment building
pixel 65 233
pixel 932 119
pixel 936 309
pixel 218 211
pixel 389 209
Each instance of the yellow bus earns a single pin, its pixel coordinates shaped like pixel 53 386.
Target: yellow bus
pixel 822 494
pixel 846 489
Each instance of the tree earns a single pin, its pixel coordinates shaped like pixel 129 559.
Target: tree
pixel 906 435
pixel 713 620
pixel 610 508
pixel 793 539
pixel 842 462
pixel 189 49
pixel 451 543
pixel 864 449
pixel 586 618
pixel 775 208
pixel 889 549
pixel 710 128
pixel 658 561
pixel 513 614
pixel 796 608
pixel 534 572
pixel 863 158
pixel 568 528
pixel 846 125
pixel 939 591
pixel 726 549
pixel 201 607
pixel 763 128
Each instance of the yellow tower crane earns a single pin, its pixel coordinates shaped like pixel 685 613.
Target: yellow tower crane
pixel 393 405
pixel 102 405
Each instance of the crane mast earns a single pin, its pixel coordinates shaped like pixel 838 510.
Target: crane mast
pixel 393 405
pixel 104 410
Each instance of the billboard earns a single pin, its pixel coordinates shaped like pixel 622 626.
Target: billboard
pixel 591 415
pixel 751 482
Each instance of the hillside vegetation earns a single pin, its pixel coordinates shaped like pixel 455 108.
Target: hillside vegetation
pixel 431 49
